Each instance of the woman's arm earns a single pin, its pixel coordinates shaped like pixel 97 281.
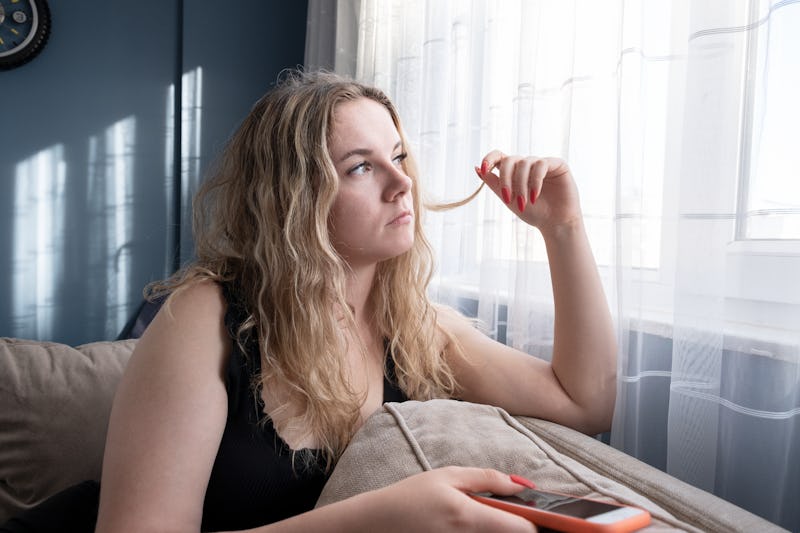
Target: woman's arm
pixel 167 421
pixel 432 501
pixel 584 341
pixel 578 389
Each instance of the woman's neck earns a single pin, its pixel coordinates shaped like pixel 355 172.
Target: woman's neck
pixel 359 287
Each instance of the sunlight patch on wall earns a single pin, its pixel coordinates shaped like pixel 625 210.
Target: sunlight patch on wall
pixel 190 155
pixel 191 116
pixel 38 222
pixel 110 200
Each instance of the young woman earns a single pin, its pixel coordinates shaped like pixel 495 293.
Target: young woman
pixel 306 309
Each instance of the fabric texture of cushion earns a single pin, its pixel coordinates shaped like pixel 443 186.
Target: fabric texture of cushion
pixel 407 438
pixel 55 402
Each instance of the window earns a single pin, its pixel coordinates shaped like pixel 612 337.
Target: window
pixel 770 193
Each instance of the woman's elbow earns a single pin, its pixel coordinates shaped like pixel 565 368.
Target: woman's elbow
pixel 598 414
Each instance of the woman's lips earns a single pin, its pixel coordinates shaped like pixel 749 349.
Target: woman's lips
pixel 404 218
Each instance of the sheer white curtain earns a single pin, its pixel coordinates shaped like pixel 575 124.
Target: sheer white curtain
pixel 679 122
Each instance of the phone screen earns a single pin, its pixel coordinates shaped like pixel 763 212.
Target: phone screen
pixel 559 503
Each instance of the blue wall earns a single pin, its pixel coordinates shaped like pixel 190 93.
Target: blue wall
pixel 89 200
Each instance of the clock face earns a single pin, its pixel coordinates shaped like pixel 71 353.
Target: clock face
pixel 24 28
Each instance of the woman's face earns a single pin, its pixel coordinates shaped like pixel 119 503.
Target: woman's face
pixel 373 215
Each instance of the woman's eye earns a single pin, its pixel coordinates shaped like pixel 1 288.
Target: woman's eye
pixel 364 167
pixel 359 169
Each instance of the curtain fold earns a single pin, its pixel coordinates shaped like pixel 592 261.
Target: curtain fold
pixel 676 122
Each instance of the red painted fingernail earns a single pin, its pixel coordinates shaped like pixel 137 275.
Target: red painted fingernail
pixel 533 196
pixel 519 480
pixel 478 172
pixel 506 195
pixel 484 167
pixel 521 202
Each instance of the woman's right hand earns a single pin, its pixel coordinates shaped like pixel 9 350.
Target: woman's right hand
pixel 437 500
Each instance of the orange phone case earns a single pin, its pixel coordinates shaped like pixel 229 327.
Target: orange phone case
pixel 566 523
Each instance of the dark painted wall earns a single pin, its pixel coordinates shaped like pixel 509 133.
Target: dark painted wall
pixel 87 210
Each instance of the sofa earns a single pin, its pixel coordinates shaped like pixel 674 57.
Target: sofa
pixel 55 402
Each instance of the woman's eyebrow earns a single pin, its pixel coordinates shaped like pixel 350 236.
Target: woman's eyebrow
pixel 365 151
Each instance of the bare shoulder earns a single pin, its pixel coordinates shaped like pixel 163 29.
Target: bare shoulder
pixel 190 325
pixel 202 300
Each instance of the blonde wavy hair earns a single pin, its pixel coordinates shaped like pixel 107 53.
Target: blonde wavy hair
pixel 261 221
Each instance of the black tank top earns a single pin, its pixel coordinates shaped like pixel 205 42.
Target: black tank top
pixel 253 481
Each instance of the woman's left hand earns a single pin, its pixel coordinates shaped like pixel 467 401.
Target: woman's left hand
pixel 541 191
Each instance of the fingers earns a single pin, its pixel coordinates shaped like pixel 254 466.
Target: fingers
pixel 539 170
pixel 518 181
pixel 522 181
pixel 446 493
pixel 471 479
pixel 485 517
pixel 491 160
pixel 485 172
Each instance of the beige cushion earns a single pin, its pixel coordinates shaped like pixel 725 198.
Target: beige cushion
pixel 411 437
pixel 54 407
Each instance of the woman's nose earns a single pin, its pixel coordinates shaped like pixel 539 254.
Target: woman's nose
pixel 398 183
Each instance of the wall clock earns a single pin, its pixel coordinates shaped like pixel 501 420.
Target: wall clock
pixel 24 29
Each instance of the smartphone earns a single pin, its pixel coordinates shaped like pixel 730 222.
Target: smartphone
pixel 568 513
